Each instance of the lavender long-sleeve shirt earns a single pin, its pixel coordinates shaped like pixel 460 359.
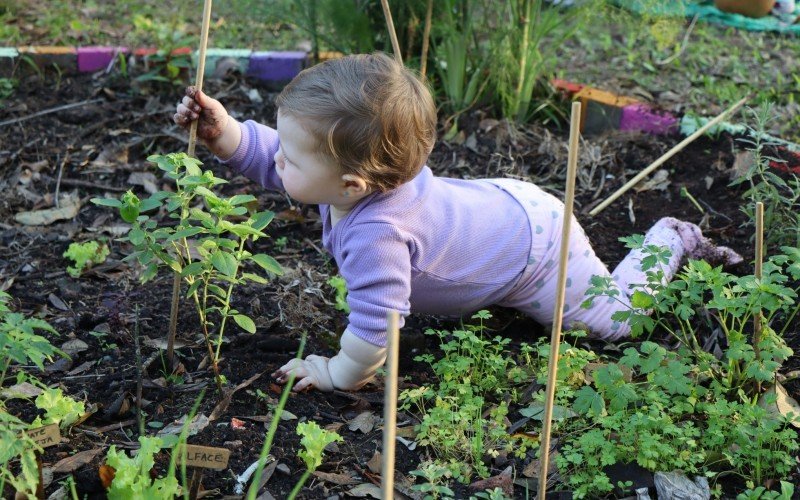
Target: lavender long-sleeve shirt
pixel 432 245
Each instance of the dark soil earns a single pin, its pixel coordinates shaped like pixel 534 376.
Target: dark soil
pixel 95 147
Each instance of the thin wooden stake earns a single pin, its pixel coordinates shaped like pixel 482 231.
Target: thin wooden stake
pixel 201 68
pixel 758 274
pixel 176 280
pixel 669 154
pixel 426 35
pixel 561 285
pixel 390 406
pixel 387 13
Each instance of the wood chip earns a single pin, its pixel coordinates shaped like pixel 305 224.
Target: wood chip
pixel 76 461
pixel 340 479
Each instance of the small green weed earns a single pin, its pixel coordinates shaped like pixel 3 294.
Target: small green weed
pixel 339 285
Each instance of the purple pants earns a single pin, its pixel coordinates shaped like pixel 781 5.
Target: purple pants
pixel 535 293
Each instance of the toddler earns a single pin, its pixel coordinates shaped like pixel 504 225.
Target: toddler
pixel 353 136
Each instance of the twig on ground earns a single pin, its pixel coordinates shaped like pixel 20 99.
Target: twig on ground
pixel 669 154
pixel 49 111
pixel 60 173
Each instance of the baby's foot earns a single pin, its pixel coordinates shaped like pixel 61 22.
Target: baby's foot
pixel 699 247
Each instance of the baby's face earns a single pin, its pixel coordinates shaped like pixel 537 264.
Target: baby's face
pixel 308 177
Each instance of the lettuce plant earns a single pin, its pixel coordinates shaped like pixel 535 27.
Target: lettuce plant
pixel 85 255
pixel 132 475
pixel 314 440
pixel 59 409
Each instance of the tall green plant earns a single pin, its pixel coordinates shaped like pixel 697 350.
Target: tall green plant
pixel 206 247
pixel 459 59
pixel 523 51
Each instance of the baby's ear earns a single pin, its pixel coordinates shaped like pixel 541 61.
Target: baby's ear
pixel 354 186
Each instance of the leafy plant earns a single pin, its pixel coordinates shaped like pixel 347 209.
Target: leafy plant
pixel 7 87
pixel 781 198
pixel 340 287
pixel 435 476
pixel 458 419
pixel 132 478
pixel 19 342
pixel 85 255
pixel 168 62
pixel 59 409
pixel 314 440
pixel 17 446
pixel 213 261
pixel 682 408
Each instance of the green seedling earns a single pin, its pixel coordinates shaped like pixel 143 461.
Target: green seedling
pixel 686 194
pixel 435 477
pixel 314 440
pixel 206 248
pixel 340 287
pixel 59 409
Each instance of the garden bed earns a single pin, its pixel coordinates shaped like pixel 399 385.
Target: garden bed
pixel 93 149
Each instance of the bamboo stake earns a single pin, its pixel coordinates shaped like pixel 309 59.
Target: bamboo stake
pixel 387 13
pixel 758 274
pixel 555 335
pixel 390 406
pixel 176 280
pixel 669 154
pixel 201 68
pixel 426 35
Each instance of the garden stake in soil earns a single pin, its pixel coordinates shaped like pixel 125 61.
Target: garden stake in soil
pixel 387 13
pixel 426 35
pixel 176 281
pixel 669 154
pixel 390 406
pixel 758 274
pixel 561 285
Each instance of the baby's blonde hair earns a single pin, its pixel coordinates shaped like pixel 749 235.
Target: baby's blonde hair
pixel 372 115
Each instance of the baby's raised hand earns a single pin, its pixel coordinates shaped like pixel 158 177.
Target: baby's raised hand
pixel 215 127
pixel 211 114
pixel 310 372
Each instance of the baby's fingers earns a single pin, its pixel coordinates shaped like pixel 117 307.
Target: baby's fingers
pixel 305 383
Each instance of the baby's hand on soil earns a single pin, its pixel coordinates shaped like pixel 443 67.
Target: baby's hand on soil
pixel 211 113
pixel 311 372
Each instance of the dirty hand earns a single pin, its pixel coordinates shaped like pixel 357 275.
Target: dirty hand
pixel 211 114
pixel 310 372
pixel 354 366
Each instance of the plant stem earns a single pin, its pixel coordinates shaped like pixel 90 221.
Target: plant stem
pixel 523 60
pixel 299 485
pixel 273 427
pixel 228 297
pixel 201 312
pixel 173 318
pixel 139 375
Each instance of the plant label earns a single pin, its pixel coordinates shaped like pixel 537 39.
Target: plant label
pixel 205 457
pixel 49 435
